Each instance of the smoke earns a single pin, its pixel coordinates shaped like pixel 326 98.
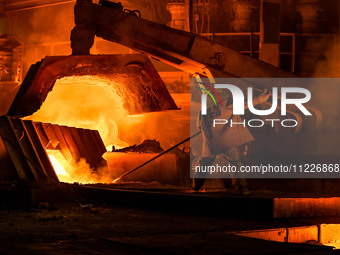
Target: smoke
pixel 329 65
pixel 326 93
pixel 82 172
pixel 167 127
pixel 79 171
pixel 94 107
pixel 84 102
pixel 49 24
pixel 44 31
pixel 91 103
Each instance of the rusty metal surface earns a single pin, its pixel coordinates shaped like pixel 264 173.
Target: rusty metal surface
pixel 23 90
pixel 26 151
pixel 23 145
pixel 140 77
pixel 73 143
pixel 7 172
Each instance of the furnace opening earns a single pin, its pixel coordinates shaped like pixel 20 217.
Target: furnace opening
pixel 89 102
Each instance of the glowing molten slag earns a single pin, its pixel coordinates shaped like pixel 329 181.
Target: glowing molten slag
pixel 58 167
pixel 59 164
pixel 76 171
pixel 88 102
pixel 99 103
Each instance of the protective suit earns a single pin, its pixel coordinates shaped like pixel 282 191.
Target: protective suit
pixel 224 139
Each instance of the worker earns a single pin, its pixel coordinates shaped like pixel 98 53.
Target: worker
pixel 224 140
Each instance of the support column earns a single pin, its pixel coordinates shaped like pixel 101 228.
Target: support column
pixel 82 40
pixel 270 32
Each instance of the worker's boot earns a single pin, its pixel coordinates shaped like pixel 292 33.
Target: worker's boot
pixel 242 187
pixel 199 178
pixel 197 183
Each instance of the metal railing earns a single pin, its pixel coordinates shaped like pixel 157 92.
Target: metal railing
pixel 251 50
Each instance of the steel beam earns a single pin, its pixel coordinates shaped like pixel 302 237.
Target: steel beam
pixel 186 51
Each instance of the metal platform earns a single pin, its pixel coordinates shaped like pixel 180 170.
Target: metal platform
pixel 222 203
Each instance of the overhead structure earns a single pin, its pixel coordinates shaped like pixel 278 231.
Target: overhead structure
pixel 137 70
pixel 185 51
pixel 23 143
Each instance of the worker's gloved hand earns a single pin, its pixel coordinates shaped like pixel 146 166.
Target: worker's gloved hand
pixel 263 97
pixel 214 111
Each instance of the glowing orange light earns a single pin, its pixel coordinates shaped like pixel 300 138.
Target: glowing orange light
pixel 97 103
pixel 58 167
pixel 86 102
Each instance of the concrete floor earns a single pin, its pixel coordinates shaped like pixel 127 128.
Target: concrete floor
pixel 107 220
pixel 121 230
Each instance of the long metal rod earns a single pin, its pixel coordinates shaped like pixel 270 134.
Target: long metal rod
pixel 147 162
